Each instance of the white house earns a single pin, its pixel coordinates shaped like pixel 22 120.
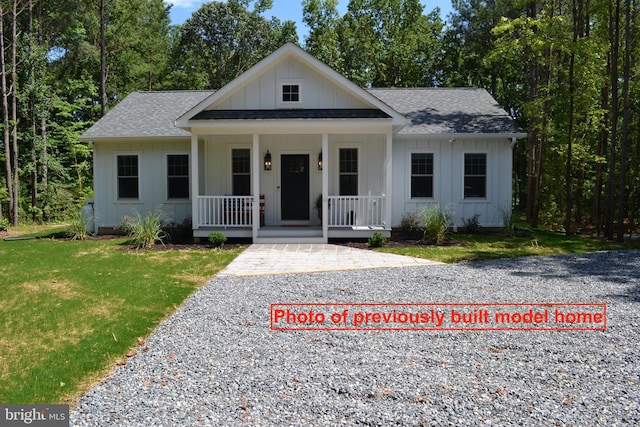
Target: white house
pixel 251 159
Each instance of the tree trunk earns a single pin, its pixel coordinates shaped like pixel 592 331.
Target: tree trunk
pixel 45 171
pixel 14 111
pixel 5 120
pixel 622 191
pixel 568 181
pixel 34 119
pixel 614 37
pixel 596 213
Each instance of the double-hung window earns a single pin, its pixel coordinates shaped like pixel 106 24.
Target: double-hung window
pixel 241 172
pixel 178 176
pixel 475 175
pixel 128 177
pixel 421 175
pixel 348 171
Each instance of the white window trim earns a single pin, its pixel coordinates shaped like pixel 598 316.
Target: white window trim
pixel 436 176
pixel 230 170
pixel 486 197
pixel 290 104
pixel 116 196
pixel 341 146
pixel 166 176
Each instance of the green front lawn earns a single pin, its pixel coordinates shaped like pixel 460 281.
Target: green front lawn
pixel 475 247
pixel 69 310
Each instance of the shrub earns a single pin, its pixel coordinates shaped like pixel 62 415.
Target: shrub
pixel 410 225
pixel 78 229
pixel 145 231
pixel 508 222
pixel 436 224
pixel 377 240
pixel 4 224
pixel 217 239
pixel 471 225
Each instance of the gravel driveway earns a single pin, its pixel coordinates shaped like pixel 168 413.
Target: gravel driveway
pixel 216 361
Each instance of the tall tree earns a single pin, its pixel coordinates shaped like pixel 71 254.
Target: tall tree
pixel 377 42
pixel 626 117
pixel 614 40
pixel 221 40
pixel 323 19
pixel 6 125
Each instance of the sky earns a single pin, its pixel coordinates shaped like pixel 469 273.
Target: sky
pixel 287 10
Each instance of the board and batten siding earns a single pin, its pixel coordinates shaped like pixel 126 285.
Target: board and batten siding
pixel 152 181
pixel 217 175
pixel 263 93
pixel 448 180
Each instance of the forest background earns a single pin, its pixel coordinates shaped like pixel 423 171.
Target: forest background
pixel 566 70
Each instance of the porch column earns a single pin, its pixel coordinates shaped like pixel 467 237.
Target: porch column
pixel 388 181
pixel 195 183
pixel 255 173
pixel 326 164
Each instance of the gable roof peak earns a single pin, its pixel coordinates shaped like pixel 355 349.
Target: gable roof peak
pixel 280 54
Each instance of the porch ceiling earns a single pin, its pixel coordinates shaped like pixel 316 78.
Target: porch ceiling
pixel 291 114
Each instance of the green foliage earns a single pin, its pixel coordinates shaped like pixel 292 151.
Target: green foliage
pixel 471 225
pixel 377 240
pixel 411 225
pixel 145 231
pixel 4 224
pixel 478 247
pixel 79 227
pixel 317 205
pixel 217 239
pixel 377 43
pixel 322 17
pixel 436 224
pixel 222 40
pixel 508 220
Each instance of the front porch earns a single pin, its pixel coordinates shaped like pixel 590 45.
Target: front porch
pixel 355 217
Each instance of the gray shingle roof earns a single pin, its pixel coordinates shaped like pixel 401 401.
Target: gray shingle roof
pixel 432 111
pixel 151 114
pixel 435 111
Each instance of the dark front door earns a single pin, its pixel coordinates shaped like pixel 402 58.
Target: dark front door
pixel 295 187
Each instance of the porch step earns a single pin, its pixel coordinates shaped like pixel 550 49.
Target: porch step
pixel 289 240
pixel 290 232
pixel 289 235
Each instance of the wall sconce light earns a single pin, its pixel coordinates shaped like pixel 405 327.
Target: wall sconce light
pixel 267 161
pixel 320 161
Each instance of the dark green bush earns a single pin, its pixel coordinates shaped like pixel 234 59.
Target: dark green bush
pixel 377 240
pixel 411 225
pixel 217 239
pixel 471 225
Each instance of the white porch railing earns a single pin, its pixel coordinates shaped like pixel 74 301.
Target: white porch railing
pixel 225 211
pixel 356 211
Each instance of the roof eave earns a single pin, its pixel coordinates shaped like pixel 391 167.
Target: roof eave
pixel 84 138
pixel 475 135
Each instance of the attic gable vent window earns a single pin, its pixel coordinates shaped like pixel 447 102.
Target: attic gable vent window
pixel 290 93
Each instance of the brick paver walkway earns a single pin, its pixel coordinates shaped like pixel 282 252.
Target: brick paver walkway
pixel 260 259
